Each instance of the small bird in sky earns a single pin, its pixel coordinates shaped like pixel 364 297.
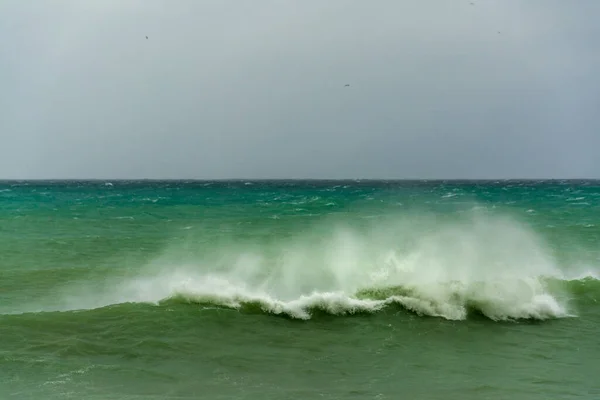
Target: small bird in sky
pixel 346 85
pixel 146 37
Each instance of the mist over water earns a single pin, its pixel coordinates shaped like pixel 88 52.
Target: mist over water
pixel 433 266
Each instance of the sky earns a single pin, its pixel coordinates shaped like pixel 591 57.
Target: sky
pixel 225 89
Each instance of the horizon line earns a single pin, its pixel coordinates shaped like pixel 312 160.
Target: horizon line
pixel 285 179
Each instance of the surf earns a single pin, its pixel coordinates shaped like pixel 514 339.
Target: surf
pixel 452 268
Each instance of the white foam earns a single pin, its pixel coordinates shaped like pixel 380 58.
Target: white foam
pixel 495 266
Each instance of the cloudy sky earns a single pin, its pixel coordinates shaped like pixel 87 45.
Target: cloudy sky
pixel 256 89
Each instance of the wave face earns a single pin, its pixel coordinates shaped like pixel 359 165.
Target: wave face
pixel 477 264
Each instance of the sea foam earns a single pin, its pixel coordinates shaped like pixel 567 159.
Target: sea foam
pixel 485 264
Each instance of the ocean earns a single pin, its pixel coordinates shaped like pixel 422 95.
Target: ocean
pixel 299 290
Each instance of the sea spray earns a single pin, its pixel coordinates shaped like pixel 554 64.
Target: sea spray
pixel 489 264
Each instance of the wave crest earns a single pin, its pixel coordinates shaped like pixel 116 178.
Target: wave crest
pixel 452 301
pixel 486 265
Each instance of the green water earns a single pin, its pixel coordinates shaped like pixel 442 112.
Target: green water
pixel 299 290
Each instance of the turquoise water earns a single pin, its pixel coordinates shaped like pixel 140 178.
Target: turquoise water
pixel 300 290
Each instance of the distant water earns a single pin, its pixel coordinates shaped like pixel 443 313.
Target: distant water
pixel 300 290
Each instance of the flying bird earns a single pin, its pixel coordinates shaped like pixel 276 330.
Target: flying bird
pixel 146 37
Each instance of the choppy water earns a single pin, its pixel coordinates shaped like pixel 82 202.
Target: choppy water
pixel 271 290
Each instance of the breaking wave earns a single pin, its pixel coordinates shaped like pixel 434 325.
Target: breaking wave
pixel 482 264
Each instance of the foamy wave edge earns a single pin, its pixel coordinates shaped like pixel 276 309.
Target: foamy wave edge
pixel 459 304
pixel 540 306
pixel 543 308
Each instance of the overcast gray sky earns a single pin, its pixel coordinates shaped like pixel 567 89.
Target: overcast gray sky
pixel 256 89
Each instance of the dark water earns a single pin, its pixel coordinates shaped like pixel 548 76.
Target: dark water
pixel 276 290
